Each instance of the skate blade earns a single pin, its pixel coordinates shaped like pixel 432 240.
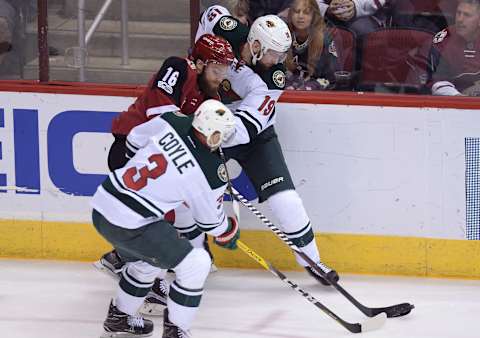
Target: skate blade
pixel 152 309
pixel 98 264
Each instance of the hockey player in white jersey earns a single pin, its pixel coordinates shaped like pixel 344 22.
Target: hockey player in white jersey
pixel 180 164
pixel 254 83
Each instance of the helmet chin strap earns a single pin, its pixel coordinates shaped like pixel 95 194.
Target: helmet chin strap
pixel 214 146
pixel 255 58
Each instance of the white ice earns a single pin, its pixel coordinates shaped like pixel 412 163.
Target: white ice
pixel 40 299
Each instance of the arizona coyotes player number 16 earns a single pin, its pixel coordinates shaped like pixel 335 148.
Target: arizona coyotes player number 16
pixel 181 84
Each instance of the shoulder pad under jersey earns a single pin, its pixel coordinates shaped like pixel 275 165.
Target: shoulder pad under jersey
pixel 171 78
pixel 274 77
pixel 233 31
pixel 181 123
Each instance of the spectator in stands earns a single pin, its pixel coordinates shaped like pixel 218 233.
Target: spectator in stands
pixel 312 58
pixel 247 11
pixel 360 16
pixel 7 25
pixel 431 15
pixel 454 62
pixel 241 11
pixel 261 8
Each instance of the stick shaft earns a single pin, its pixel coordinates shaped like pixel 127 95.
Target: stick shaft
pixel 391 311
pixel 355 327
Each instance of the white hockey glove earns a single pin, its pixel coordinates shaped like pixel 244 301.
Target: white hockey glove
pixel 343 10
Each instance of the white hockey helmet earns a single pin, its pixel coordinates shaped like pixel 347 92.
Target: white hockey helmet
pixel 272 33
pixel 214 120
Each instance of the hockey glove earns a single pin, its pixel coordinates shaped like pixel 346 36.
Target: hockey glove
pixel 228 240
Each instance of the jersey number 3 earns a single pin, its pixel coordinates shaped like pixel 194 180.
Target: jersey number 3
pixel 156 168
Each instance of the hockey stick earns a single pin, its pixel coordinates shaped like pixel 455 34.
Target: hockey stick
pixel 397 310
pixel 369 325
pixel 391 311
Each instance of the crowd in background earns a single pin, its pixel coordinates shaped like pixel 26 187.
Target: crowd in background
pixel 400 46
pixel 7 27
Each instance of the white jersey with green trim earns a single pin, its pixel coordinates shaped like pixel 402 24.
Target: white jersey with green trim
pixel 170 169
pixel 209 19
pixel 250 94
pixel 252 100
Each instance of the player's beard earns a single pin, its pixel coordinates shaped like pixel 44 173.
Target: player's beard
pixel 260 68
pixel 206 87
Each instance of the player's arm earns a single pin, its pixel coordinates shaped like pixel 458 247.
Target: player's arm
pixel 209 18
pixel 167 87
pixel 257 108
pixel 209 215
pixel 140 135
pixel 217 20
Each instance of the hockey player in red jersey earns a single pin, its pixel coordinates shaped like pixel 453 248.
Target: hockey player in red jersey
pixel 181 84
pixel 454 61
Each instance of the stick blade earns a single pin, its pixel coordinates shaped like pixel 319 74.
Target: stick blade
pixel 374 323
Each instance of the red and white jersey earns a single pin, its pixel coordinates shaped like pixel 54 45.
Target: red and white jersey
pixel 250 92
pixel 171 170
pixel 454 63
pixel 173 88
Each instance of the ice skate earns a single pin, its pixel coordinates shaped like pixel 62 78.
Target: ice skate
pixel 119 324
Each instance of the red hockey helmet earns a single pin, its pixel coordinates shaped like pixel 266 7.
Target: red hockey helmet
pixel 212 48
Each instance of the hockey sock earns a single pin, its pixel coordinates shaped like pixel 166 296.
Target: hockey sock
pixel 187 289
pixel 288 208
pixel 137 279
pixel 311 251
